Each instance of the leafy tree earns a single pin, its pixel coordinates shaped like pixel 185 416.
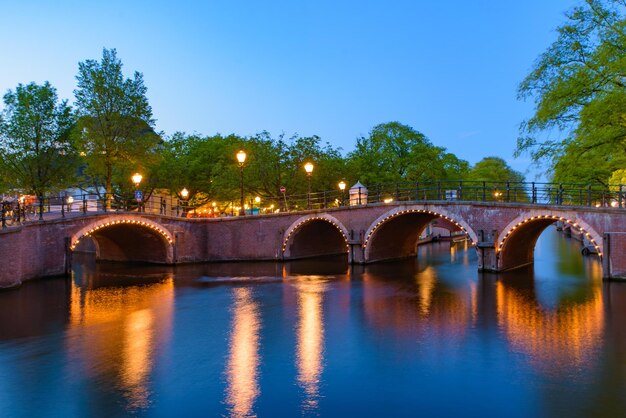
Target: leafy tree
pixel 579 89
pixel 394 152
pixel 35 148
pixel 494 169
pixel 115 126
pixel 329 165
pixel 495 173
pixel 205 166
pixel 618 177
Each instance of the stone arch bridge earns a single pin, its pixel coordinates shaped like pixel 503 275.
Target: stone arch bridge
pixel 504 235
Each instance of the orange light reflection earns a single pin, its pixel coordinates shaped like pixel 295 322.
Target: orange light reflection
pixel 243 362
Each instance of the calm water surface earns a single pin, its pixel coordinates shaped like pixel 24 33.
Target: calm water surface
pixel 425 337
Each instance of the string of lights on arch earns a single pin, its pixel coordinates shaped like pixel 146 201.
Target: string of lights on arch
pixel 429 212
pixel 315 218
pixel 550 217
pixel 145 224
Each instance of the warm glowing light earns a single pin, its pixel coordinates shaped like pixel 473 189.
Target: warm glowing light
pixel 141 317
pixel 137 178
pixel 70 200
pixel 554 339
pixel 388 200
pixel 257 199
pixel 310 342
pixel 243 360
pixel 241 157
pixel 308 167
pixel 184 193
pixel 342 185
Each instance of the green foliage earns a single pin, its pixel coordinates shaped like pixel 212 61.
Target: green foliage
pixel 394 152
pixel 494 169
pixel 114 131
pixel 36 154
pixel 617 179
pixel 207 166
pixel 579 89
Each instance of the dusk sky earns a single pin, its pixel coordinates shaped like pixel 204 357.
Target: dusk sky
pixel 335 69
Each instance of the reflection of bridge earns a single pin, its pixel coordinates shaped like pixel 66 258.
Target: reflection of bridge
pixel 504 235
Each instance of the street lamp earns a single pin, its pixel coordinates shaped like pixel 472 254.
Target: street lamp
pixel 184 194
pixel 308 167
pixel 241 159
pixel 136 178
pixel 342 187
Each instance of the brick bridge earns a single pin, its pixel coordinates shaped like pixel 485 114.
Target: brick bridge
pixel 504 235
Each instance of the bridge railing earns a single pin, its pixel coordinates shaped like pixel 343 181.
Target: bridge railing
pixel 16 210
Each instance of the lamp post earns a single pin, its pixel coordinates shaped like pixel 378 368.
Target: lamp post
pixel 184 194
pixel 342 187
pixel 136 178
pixel 241 159
pixel 308 167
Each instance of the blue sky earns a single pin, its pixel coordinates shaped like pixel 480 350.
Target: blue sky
pixel 331 68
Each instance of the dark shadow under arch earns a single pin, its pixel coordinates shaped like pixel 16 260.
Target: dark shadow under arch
pixel 126 242
pixel 398 236
pixel 315 238
pixel 519 248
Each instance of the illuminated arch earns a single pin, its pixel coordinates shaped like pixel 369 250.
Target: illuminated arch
pixel 516 243
pixel 579 224
pixel 156 229
pixel 403 210
pixel 291 232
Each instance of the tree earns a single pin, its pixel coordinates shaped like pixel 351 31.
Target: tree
pixel 501 180
pixel 494 169
pixel 579 90
pixel 205 166
pixel 394 152
pixel 618 177
pixel 36 153
pixel 115 126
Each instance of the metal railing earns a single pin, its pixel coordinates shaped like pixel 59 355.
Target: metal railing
pixel 30 208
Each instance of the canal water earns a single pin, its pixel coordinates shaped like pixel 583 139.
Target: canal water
pixel 423 337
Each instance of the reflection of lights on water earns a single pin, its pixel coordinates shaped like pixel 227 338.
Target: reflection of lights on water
pixel 137 356
pixel 243 362
pixel 310 335
pixel 116 330
pixel 426 280
pixel 555 340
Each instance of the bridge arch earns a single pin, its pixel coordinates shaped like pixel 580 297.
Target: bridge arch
pixel 315 235
pixel 516 243
pixel 128 238
pixel 395 233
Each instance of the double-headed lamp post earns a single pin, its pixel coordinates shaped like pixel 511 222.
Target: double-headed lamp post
pixel 308 167
pixel 241 159
pixel 136 178
pixel 342 187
